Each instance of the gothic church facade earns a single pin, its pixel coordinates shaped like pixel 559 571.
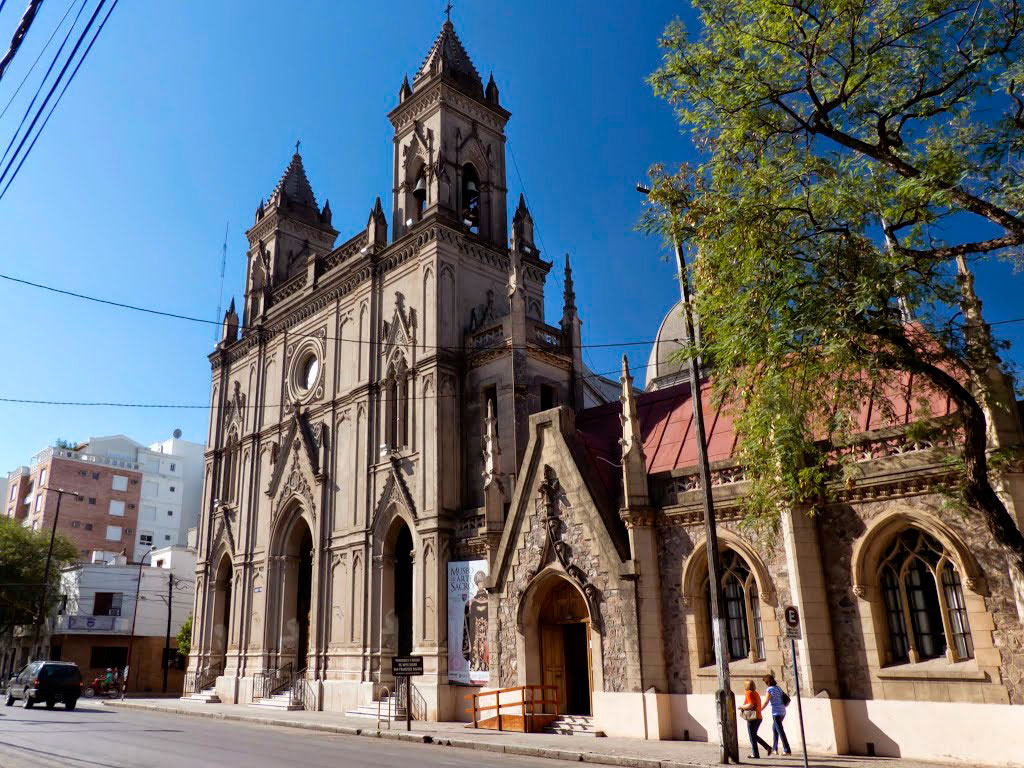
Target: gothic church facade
pixel 396 403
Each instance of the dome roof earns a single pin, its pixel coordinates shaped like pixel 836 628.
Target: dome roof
pixel 662 368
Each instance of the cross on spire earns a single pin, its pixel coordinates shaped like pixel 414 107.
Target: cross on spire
pixel 448 11
pixel 298 143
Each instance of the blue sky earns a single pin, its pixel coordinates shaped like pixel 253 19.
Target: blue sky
pixel 185 115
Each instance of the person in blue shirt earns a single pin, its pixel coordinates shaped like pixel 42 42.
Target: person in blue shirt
pixel 776 699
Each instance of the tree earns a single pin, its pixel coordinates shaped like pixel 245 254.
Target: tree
pixel 185 637
pixel 22 565
pixel 857 158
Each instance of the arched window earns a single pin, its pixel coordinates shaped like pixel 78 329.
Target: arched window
pixel 229 476
pixel 924 601
pixel 419 192
pixel 742 609
pixel 471 198
pixel 397 405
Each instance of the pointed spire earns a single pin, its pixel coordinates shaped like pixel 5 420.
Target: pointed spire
pixel 568 296
pixel 448 57
pixel 522 229
pixel 634 462
pixel 230 327
pixel 405 91
pixel 260 210
pixel 492 90
pixel 377 225
pixel 325 214
pixel 294 186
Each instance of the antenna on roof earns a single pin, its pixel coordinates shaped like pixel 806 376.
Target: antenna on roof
pixel 220 298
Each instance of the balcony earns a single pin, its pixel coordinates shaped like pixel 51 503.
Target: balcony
pixel 83 625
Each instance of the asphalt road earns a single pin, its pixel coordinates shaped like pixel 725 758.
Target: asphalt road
pixel 94 736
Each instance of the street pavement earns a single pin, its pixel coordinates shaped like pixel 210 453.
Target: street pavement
pixel 94 735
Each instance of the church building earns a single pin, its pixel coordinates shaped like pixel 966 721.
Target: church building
pixel 406 458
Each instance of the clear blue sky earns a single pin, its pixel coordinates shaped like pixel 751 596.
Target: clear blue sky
pixel 185 115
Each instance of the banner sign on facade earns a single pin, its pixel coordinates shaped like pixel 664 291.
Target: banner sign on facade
pixel 406 666
pixel 468 654
pixel 92 623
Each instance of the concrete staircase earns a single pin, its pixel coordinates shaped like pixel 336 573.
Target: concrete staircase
pixel 279 701
pixel 370 710
pixel 574 725
pixel 207 696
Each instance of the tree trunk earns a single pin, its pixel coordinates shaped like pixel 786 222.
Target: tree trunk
pixel 978 491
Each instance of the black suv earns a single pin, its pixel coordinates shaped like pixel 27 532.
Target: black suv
pixel 47 682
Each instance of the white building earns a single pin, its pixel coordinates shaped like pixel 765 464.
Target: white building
pixel 171 486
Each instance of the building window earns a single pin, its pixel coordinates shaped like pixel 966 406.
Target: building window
pixel 172 467
pixel 113 533
pixel 230 474
pixel 924 601
pixel 146 539
pixel 82 472
pixel 42 477
pixel 742 610
pixel 117 508
pixel 39 502
pixel 119 483
pixel 88 526
pixel 95 475
pixel 397 404
pixel 471 198
pixel 167 537
pixel 170 513
pixel 103 657
pixel 172 489
pixel 14 492
pixel 92 501
pixel 107 604
pixel 75 524
pixel 548 397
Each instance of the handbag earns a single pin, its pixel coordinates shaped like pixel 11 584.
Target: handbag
pixel 749 714
pixel 785 699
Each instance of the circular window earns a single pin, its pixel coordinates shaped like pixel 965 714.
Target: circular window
pixel 309 371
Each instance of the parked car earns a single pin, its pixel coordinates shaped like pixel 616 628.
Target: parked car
pixel 47 682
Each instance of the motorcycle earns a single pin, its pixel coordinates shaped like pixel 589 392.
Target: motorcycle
pixel 100 687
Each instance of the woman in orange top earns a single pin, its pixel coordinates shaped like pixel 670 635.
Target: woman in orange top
pixel 752 704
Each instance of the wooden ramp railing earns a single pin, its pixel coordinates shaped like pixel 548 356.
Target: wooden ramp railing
pixel 525 717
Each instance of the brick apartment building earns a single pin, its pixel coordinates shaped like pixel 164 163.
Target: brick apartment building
pixel 101 519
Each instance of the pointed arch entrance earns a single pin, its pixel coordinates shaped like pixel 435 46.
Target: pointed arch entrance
pixel 295 592
pixel 222 610
pixel 556 622
pixel 396 588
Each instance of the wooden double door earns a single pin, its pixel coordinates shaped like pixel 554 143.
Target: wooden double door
pixel 565 649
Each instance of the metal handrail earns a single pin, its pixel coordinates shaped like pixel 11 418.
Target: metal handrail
pixel 387 693
pixel 202 678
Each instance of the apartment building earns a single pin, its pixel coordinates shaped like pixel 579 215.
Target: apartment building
pixel 124 496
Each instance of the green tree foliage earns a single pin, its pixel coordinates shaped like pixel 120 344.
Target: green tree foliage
pixel 845 147
pixel 22 565
pixel 185 637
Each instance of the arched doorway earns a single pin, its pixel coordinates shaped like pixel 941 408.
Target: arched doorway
pixel 297 588
pixel 221 610
pixel 403 590
pixel 564 624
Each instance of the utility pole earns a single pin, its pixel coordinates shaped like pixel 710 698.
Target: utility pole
pixel 167 636
pixel 725 701
pixel 131 637
pixel 41 613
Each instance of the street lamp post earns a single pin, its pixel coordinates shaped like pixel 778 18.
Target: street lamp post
pixel 725 701
pixel 41 613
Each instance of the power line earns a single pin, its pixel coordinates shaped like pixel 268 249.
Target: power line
pixel 74 72
pixel 372 342
pixel 19 34
pixel 39 57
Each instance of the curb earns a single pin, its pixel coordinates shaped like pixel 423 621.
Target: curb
pixel 423 738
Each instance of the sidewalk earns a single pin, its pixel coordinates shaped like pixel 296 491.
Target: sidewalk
pixel 634 753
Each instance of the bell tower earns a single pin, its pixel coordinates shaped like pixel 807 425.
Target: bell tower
pixel 449 146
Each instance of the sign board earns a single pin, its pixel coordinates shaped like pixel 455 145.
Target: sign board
pixel 792 620
pixel 406 666
pixel 468 652
pixel 92 623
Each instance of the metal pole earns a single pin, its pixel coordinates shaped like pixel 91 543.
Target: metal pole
pixel 408 703
pixel 799 704
pixel 40 615
pixel 167 636
pixel 131 637
pixel 724 698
